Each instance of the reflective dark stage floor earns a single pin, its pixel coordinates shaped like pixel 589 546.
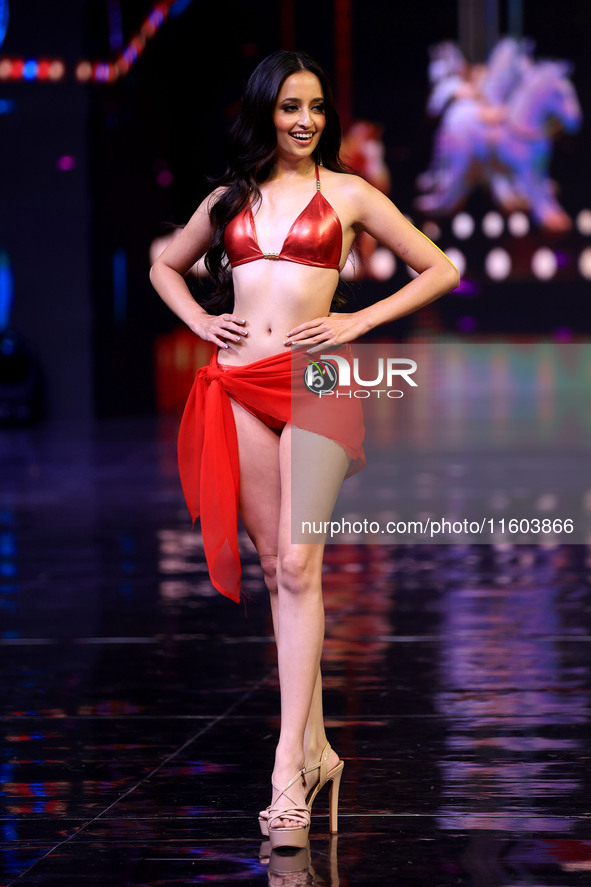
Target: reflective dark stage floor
pixel 139 707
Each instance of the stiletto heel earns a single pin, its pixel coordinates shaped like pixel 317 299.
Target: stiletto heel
pixel 288 835
pixel 325 775
pixel 333 801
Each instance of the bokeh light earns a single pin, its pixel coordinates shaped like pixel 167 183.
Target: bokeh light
pixel 66 163
pixel 493 224
pixel 518 224
pixel 463 226
pixel 544 263
pixel 431 230
pixel 498 264
pixel 584 221
pixel 585 263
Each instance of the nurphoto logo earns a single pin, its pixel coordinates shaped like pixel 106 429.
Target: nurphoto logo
pixel 324 374
pixel 320 377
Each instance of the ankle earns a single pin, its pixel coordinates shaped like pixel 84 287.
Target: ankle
pixel 313 748
pixel 287 763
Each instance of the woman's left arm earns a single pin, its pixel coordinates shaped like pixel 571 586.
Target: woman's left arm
pixel 436 275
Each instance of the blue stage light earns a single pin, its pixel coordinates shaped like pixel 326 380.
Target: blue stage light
pixel 30 70
pixel 6 290
pixel 3 20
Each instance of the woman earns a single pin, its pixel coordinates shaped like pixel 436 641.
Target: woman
pixel 284 166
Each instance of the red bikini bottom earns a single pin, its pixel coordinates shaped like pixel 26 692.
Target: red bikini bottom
pixel 272 389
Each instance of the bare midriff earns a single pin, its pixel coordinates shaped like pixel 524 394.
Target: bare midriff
pixel 272 297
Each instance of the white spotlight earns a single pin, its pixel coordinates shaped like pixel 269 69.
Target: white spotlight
pixel 382 264
pixel 544 263
pixel 585 263
pixel 492 224
pixel 498 264
pixel 463 226
pixel 584 221
pixel 518 224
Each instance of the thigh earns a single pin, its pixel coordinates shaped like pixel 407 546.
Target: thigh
pixel 260 482
pixel 312 469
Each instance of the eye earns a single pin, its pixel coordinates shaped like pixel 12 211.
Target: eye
pixel 319 108
pixel 289 108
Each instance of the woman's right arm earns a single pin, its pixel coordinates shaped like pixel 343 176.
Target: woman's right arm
pixel 167 277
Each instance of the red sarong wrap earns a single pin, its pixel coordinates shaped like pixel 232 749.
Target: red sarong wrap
pixel 208 446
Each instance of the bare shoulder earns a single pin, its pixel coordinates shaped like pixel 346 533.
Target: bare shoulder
pixel 352 189
pixel 343 182
pixel 201 215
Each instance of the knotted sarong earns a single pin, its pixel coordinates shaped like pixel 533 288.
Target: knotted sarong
pixel 208 445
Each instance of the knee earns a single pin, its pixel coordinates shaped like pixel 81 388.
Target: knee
pixel 297 572
pixel 269 565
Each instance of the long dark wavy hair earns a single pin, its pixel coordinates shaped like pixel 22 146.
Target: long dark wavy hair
pixel 251 148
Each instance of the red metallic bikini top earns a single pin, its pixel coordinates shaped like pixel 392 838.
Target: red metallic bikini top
pixel 315 238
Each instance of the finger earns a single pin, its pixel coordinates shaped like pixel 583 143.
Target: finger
pixel 304 327
pixel 232 326
pixel 309 340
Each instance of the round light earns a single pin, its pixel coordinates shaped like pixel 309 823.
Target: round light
pixel 103 72
pixel 457 258
pixel 30 70
pixel 382 264
pixel 498 264
pixel 5 69
pixel 584 221
pixel 543 263
pixel 463 226
pixel 43 69
pixel 122 66
pixel 585 263
pixel 66 163
pixel 518 224
pixel 148 29
pixel 83 71
pixel 431 230
pixel 492 224
pixel 56 70
pixel 16 71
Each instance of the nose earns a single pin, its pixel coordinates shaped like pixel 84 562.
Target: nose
pixel 304 117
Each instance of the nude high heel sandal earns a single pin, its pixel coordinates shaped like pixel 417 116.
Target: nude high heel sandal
pixel 325 775
pixel 288 835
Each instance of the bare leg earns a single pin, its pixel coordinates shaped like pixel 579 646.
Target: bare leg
pixel 293 577
pixel 320 467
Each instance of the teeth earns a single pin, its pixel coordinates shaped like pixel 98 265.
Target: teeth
pixel 301 136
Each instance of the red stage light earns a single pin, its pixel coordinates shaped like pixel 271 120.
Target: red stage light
pixel 16 72
pixel 43 69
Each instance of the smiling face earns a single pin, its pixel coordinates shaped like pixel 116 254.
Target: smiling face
pixel 299 115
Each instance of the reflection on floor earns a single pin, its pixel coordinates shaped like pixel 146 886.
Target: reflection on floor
pixel 139 708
